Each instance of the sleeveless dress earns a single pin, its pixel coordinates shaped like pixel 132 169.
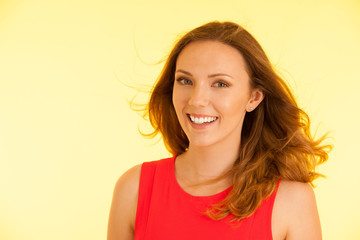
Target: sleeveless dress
pixel 166 212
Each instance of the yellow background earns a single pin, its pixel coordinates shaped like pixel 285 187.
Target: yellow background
pixel 67 132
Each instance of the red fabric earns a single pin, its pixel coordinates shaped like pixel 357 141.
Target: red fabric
pixel 166 212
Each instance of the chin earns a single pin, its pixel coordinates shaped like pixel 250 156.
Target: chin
pixel 201 143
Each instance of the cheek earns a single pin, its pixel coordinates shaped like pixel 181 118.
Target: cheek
pixel 233 106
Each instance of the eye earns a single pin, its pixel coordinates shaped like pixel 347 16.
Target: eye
pixel 184 81
pixel 221 84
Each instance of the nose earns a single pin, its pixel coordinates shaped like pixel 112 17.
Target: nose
pixel 200 96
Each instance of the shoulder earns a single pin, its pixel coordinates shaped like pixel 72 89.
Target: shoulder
pixel 295 214
pixel 129 181
pixel 127 187
pixel 294 191
pixel 124 204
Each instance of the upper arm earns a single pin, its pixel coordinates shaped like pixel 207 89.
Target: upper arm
pixel 124 204
pixel 296 212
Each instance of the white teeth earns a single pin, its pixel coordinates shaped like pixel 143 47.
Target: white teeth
pixel 202 120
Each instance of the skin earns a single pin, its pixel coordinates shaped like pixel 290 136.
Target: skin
pixel 211 80
pixel 201 88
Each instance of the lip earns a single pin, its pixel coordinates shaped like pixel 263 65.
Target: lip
pixel 203 125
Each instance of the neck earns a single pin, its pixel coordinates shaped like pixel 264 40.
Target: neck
pixel 206 163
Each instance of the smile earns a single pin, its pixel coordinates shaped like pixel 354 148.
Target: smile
pixel 201 120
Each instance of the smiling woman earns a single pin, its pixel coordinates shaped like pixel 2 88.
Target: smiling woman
pixel 243 156
pixel 216 87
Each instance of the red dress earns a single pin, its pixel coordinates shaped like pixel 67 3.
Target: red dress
pixel 166 212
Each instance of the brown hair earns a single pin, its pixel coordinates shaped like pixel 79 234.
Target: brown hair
pixel 275 139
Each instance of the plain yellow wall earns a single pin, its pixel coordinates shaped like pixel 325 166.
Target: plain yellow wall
pixel 67 132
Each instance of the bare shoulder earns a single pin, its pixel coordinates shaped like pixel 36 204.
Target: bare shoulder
pixel 295 191
pixel 295 215
pixel 129 181
pixel 124 204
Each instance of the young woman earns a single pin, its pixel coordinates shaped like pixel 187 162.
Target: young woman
pixel 243 156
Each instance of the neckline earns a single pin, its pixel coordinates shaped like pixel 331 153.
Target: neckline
pixel 214 197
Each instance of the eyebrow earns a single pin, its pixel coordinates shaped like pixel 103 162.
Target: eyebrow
pixel 211 75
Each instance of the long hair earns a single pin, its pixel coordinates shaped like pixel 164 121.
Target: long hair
pixel 275 140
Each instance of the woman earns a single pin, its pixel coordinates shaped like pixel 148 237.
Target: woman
pixel 243 156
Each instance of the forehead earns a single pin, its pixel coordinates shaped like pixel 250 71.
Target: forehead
pixel 211 55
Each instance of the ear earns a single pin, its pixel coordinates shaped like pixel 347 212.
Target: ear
pixel 257 95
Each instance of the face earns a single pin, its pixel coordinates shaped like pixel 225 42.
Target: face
pixel 212 93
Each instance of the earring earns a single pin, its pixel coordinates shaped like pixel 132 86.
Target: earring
pixel 251 108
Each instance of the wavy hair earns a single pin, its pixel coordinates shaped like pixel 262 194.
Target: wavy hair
pixel 275 140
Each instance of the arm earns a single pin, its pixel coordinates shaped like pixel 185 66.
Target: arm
pixel 295 213
pixel 122 215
